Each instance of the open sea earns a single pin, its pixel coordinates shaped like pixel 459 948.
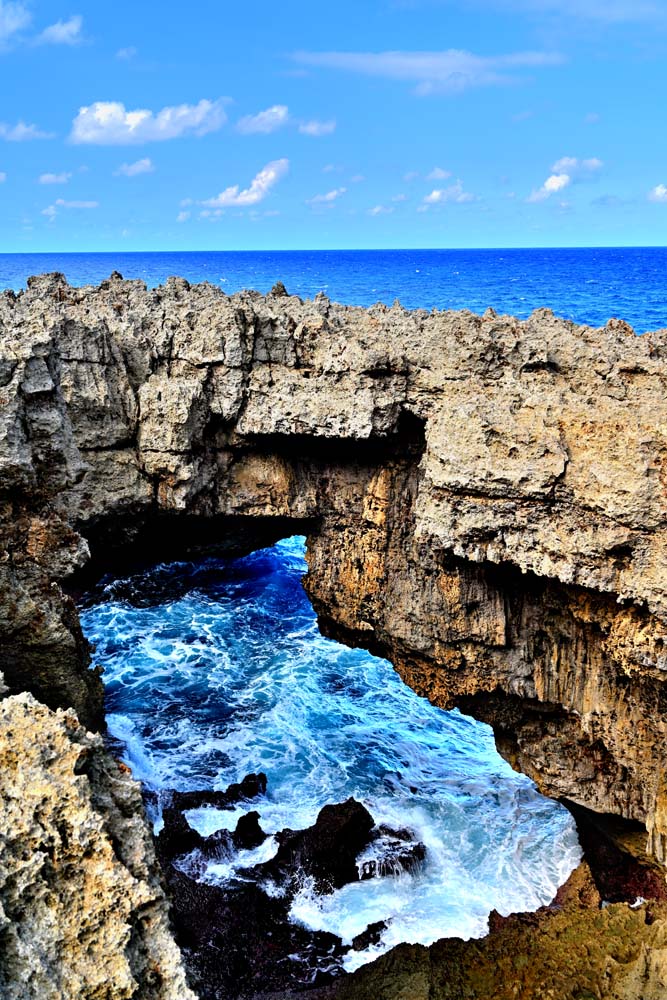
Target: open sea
pixel 585 285
pixel 222 671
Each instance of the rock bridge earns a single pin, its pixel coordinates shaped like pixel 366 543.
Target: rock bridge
pixel 485 502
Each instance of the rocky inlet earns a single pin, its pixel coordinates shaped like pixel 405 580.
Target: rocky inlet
pixel 485 502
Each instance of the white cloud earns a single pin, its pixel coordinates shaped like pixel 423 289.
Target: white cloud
pixel 411 175
pixel 451 71
pixel 3 177
pixel 357 178
pixel 259 187
pixel 438 174
pixel 127 53
pixel 454 193
pixel 576 168
pixel 143 166
pixel 658 193
pixel 22 132
pixel 51 211
pixel 380 210
pixel 327 199
pixel 566 171
pixel 400 197
pixel 108 123
pixel 13 18
pixel 183 216
pixel 264 122
pixel 54 178
pixel 62 32
pixel 553 184
pixel 316 129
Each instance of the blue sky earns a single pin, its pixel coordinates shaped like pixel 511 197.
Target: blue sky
pixel 387 123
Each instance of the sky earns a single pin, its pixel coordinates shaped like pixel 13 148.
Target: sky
pixel 356 124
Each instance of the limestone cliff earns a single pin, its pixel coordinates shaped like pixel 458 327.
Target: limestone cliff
pixel 82 912
pixel 485 499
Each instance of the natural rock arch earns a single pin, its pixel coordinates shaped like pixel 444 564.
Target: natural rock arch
pixel 485 499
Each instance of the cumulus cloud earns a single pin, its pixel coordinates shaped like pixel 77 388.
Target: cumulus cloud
pixel 183 216
pixel 127 53
pixel 51 211
pixel 261 184
pixel 328 198
pixel 62 32
pixel 316 129
pixel 658 193
pixel 109 123
pixel 264 122
pixel 14 17
pixel 577 168
pixel 22 132
pixel 380 210
pixel 566 171
pixel 448 72
pixel 438 174
pixel 454 193
pixel 143 166
pixel 54 178
pixel 553 184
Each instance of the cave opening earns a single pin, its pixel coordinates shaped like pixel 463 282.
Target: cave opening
pixel 215 669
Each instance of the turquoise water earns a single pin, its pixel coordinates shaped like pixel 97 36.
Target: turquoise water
pixel 586 285
pixel 217 669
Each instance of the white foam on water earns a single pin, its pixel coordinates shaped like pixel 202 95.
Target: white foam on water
pixel 234 677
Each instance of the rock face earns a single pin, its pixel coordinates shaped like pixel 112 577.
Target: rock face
pixel 82 912
pixel 485 499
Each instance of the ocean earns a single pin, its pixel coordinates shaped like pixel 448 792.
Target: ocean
pixel 585 285
pixel 222 672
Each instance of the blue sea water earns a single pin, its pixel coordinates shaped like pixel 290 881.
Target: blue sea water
pixel 587 285
pixel 217 669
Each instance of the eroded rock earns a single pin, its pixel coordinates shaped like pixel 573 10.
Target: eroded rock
pixel 82 911
pixel 485 500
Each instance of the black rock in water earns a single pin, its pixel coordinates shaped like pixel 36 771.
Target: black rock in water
pixel 327 850
pixel 248 832
pixel 252 786
pixel 370 936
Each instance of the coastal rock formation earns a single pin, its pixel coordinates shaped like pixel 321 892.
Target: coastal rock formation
pixel 485 499
pixel 82 911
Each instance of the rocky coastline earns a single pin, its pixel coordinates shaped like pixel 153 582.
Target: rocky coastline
pixel 485 502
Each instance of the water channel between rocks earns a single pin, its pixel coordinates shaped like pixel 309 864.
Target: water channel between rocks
pixel 217 669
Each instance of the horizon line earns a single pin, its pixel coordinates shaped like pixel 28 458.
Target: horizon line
pixel 619 246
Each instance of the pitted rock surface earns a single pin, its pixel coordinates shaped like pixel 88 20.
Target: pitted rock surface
pixel 82 911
